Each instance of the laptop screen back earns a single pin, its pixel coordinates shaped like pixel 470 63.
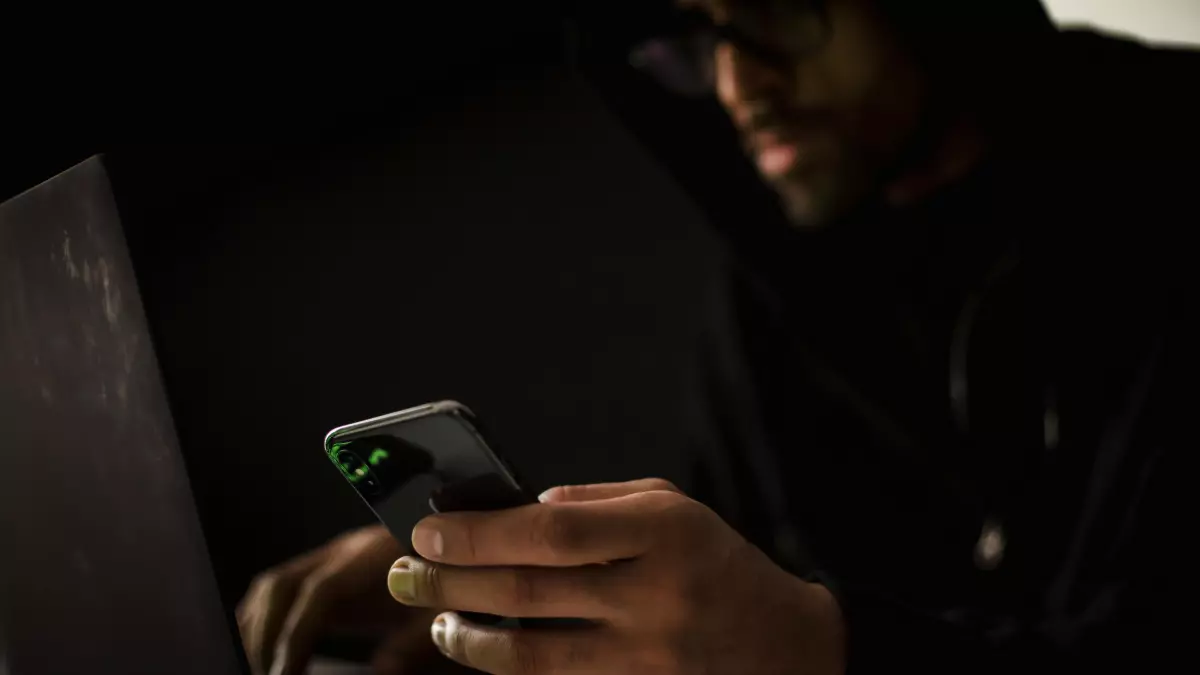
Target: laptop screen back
pixel 103 567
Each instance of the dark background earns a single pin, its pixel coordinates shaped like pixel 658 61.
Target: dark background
pixel 502 213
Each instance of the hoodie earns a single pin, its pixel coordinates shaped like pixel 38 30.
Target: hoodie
pixel 971 420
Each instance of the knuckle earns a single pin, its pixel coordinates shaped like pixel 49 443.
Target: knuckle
pixel 319 585
pixel 563 493
pixel 663 500
pixel 670 513
pixel 524 590
pixel 688 514
pixel 523 656
pixel 621 596
pixel 617 593
pixel 264 582
pixel 662 485
pixel 271 587
pixel 554 531
pixel 430 583
pixel 469 539
pixel 247 609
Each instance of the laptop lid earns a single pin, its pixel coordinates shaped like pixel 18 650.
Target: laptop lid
pixel 103 566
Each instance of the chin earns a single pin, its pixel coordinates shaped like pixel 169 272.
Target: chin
pixel 821 197
pixel 803 205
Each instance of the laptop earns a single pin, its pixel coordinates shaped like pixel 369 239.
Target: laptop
pixel 103 564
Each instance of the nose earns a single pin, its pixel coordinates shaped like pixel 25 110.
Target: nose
pixel 742 78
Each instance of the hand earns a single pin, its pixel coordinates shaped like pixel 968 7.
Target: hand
pixel 669 586
pixel 335 588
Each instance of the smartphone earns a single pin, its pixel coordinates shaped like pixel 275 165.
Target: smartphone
pixel 431 458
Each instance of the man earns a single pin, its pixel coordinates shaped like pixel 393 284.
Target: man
pixel 946 409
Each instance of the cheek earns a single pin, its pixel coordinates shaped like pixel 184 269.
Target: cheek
pixel 890 106
pixel 722 73
pixel 865 78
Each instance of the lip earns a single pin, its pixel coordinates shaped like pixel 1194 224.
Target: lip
pixel 776 150
pixel 776 158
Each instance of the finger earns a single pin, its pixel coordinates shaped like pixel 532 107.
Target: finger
pixel 263 615
pixel 506 651
pixel 568 534
pixel 595 491
pixel 248 627
pixel 273 598
pixel 303 626
pixel 523 592
pixel 246 616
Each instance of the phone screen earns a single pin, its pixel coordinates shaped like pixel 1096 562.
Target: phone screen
pixel 436 461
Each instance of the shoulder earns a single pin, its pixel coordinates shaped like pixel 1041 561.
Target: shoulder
pixel 1114 95
pixel 1114 156
pixel 1106 188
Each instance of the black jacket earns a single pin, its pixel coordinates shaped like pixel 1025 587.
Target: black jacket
pixel 971 420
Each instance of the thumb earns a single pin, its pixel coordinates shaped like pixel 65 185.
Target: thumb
pixel 598 491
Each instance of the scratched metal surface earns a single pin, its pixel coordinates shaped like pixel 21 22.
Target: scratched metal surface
pixel 102 563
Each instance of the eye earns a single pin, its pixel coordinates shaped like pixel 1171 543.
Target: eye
pixel 792 27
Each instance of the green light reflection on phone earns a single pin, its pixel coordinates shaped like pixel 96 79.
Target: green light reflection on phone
pixel 356 474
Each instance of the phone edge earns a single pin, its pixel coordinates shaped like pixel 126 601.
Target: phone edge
pixel 405 415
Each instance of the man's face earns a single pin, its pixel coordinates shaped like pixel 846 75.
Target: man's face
pixel 827 123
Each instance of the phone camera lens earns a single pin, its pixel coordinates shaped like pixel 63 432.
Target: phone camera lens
pixel 358 472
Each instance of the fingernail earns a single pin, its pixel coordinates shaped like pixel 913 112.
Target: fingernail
pixel 438 632
pixel 428 541
pixel 545 496
pixel 402 582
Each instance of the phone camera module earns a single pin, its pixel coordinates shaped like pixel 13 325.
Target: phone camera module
pixel 358 472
